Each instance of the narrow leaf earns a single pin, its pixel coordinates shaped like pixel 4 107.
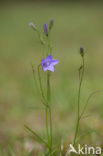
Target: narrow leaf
pixel 35 134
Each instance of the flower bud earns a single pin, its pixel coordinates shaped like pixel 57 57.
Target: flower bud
pixel 82 51
pixel 32 26
pixel 51 23
pixel 45 27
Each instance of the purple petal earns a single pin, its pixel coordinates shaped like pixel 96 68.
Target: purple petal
pixel 48 63
pixel 51 68
pixel 43 60
pixel 54 62
pixel 49 57
pixel 45 68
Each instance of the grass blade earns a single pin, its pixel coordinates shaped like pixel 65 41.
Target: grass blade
pixel 35 134
pixel 86 104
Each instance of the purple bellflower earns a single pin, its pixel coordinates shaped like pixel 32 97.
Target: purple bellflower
pixel 48 63
pixel 45 27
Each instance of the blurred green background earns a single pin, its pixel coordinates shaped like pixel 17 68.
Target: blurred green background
pixel 76 24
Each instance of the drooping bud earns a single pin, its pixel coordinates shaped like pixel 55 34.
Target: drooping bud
pixel 45 27
pixel 82 51
pixel 51 23
pixel 32 26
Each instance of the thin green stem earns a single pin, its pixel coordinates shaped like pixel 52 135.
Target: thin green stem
pixel 43 51
pixel 50 117
pixel 39 35
pixel 49 92
pixel 79 96
pixel 41 88
pixel 36 84
pixel 49 107
pixel 46 119
pixel 49 49
pixel 48 87
pixel 46 104
pixel 49 44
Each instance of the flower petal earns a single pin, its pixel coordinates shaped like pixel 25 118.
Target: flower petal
pixel 47 59
pixel 49 56
pixel 45 68
pixel 54 62
pixel 51 68
pixel 48 63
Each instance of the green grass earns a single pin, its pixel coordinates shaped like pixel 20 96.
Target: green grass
pixel 75 25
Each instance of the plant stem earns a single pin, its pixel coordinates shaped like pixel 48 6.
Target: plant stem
pixel 46 102
pixel 49 108
pixel 41 88
pixel 48 88
pixel 46 119
pixel 79 96
pixel 49 44
pixel 50 117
